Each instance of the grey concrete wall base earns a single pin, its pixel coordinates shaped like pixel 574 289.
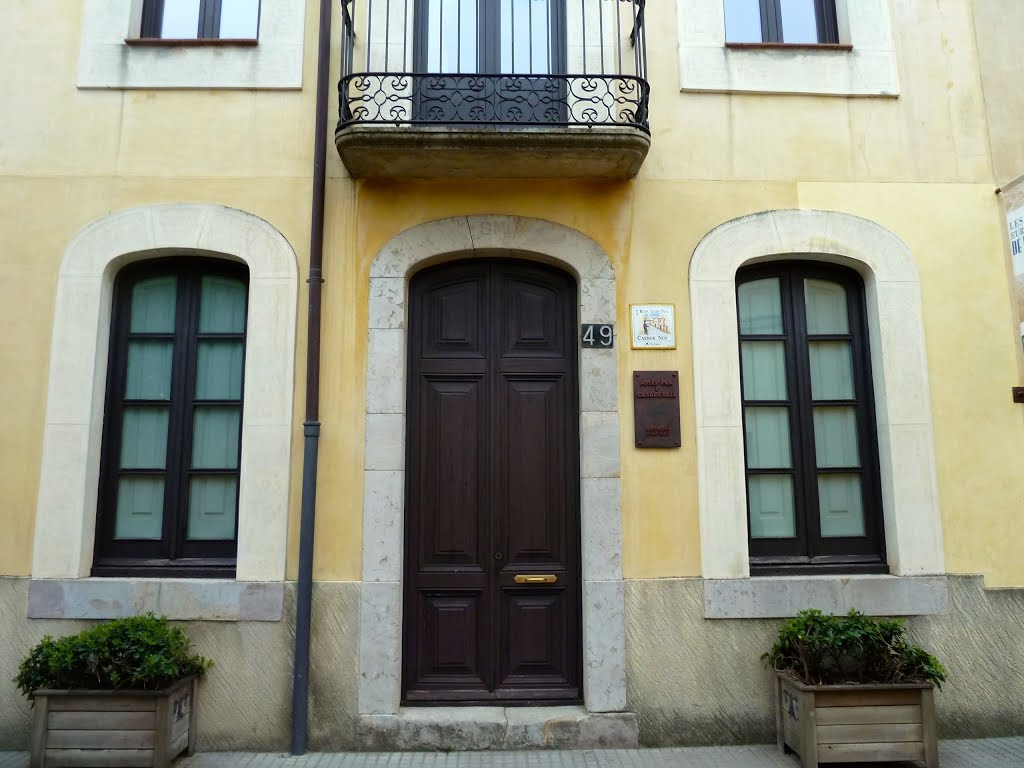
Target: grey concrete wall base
pixel 245 699
pixel 695 682
pixel 770 597
pixel 485 728
pixel 390 152
pixel 179 599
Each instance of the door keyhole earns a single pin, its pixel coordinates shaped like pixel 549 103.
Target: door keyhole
pixel 497 555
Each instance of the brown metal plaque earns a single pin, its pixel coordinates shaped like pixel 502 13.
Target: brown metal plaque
pixel 656 409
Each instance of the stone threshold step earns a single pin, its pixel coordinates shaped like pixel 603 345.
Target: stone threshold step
pixel 449 729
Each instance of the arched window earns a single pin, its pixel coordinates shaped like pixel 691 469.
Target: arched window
pixel 811 449
pixel 168 493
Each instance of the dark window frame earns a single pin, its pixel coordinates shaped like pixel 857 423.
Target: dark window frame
pixel 172 554
pixel 489 39
pixel 825 17
pixel 209 19
pixel 810 552
pixel 430 88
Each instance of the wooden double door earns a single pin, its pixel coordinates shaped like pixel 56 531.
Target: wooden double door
pixel 492 572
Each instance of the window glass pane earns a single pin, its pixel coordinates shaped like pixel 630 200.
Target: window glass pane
pixel 211 508
pixel 222 305
pixel 826 307
pixel 181 19
pixel 239 18
pixel 525 36
pixel 841 505
pixel 764 370
pixel 153 305
pixel 760 306
pixel 831 370
pixel 768 438
pixel 149 370
pixel 219 370
pixel 451 36
pixel 215 437
pixel 772 515
pixel 140 508
pixel 835 437
pixel 144 438
pixel 743 21
pixel 799 24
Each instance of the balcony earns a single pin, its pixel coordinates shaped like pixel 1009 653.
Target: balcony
pixel 481 88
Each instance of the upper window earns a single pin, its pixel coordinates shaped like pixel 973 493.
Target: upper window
pixel 172 428
pixel 813 494
pixel 781 21
pixel 201 19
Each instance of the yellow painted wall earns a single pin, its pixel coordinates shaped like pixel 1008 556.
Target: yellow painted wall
pixel 918 165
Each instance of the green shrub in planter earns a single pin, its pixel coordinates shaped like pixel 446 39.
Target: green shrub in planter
pixel 822 649
pixel 121 693
pixel 135 653
pixel 853 689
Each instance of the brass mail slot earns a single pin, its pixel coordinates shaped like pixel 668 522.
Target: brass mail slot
pixel 538 578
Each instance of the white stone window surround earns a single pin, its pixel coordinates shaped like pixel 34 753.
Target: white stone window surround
pixel 106 61
pixel 73 429
pixel 380 641
pixel 869 69
pixel 910 498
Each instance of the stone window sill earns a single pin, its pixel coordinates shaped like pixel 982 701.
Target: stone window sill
pixel 789 46
pixel 178 599
pixel 191 42
pixel 777 597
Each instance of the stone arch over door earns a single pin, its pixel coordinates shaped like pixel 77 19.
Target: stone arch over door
pixel 380 641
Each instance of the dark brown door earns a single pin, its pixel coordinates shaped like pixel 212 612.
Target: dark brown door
pixel 493 490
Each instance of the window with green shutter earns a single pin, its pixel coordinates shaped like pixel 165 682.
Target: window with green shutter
pixel 168 494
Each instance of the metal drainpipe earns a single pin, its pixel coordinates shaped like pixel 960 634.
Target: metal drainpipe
pixel 311 425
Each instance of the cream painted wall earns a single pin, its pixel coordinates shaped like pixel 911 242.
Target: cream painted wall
pixel 918 165
pixel 998 26
pixel 650 232
pixel 68 157
pixel 955 235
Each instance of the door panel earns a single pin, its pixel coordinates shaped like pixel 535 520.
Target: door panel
pixel 492 485
pixel 452 467
pixel 534 630
pixel 452 325
pixel 450 657
pixel 532 324
pixel 534 519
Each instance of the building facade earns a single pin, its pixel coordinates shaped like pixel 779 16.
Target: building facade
pixel 806 192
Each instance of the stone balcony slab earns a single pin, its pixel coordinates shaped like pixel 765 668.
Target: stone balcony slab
pixel 431 152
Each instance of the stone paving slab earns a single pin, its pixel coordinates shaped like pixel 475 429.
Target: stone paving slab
pixel 976 753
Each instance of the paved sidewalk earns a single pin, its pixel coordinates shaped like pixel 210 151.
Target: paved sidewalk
pixel 978 753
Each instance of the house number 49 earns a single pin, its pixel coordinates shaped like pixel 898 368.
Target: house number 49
pixel 598 335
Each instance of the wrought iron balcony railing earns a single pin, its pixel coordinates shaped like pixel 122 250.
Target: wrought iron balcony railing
pixel 466 63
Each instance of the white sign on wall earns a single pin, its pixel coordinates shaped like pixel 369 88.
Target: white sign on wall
pixel 653 326
pixel 1015 224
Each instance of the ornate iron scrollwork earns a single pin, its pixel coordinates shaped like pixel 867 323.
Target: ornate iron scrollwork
pixel 471 99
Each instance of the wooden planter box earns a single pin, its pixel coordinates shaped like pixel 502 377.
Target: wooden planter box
pixel 140 729
pixel 856 723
